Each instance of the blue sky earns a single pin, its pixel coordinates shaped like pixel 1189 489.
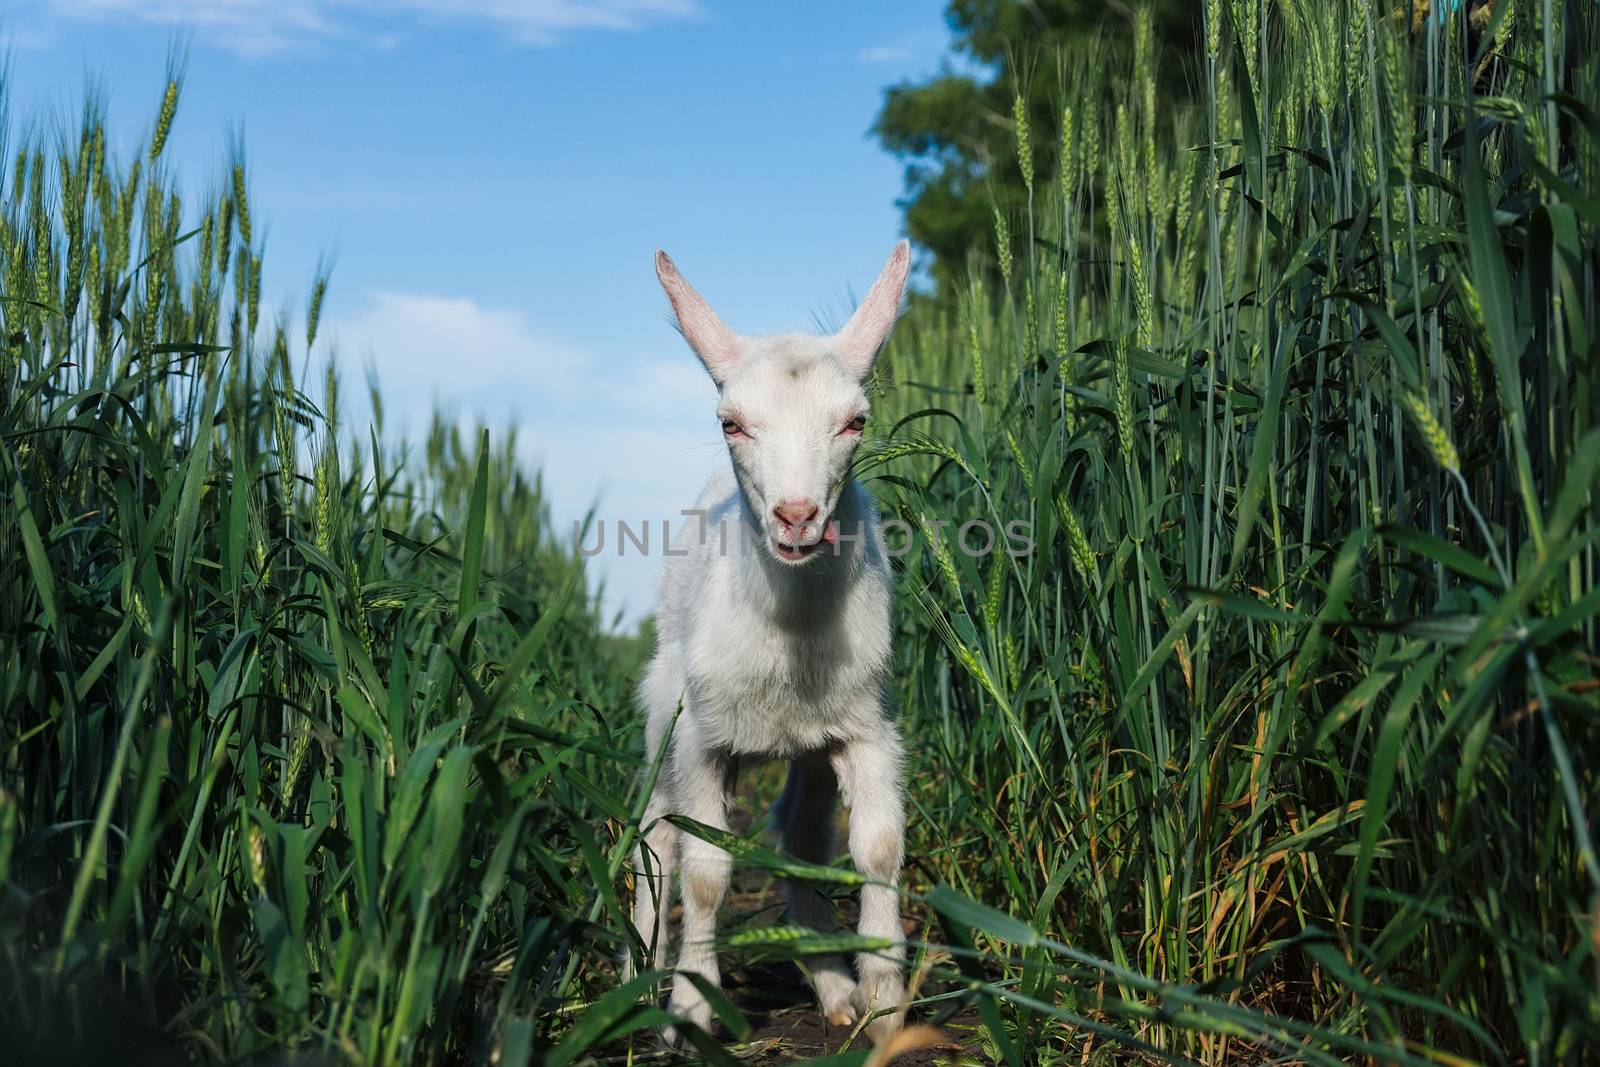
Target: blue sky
pixel 493 176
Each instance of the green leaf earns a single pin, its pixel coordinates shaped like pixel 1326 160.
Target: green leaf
pixel 796 942
pixel 1250 124
pixel 516 1043
pixel 528 648
pixel 1399 346
pixel 472 543
pixel 196 465
pixel 614 1015
pixel 1440 551
pixel 969 913
pixel 238 523
pixel 1381 777
pixel 285 958
pixel 1159 655
pixel 1261 455
pixel 359 711
pixel 1493 283
pixel 33 548
pixel 411 790
pixel 1146 362
pixel 750 854
pixel 449 805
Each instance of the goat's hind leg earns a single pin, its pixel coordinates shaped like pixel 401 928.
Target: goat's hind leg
pixel 805 819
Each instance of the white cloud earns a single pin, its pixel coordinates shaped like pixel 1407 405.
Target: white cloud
pixel 885 53
pixel 635 436
pixel 264 26
pixel 422 340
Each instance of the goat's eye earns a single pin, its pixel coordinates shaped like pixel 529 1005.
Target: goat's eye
pixel 855 425
pixel 732 428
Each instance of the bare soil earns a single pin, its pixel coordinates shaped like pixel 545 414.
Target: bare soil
pixel 778 1003
pixel 775 999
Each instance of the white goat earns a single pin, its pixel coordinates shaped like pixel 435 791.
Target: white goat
pixel 773 635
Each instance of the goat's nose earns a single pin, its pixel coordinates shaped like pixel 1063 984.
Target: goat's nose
pixel 796 512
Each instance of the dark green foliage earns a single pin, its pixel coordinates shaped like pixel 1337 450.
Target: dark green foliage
pixel 1297 701
pixel 301 736
pixel 954 130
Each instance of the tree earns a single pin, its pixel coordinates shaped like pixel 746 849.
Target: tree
pixel 955 130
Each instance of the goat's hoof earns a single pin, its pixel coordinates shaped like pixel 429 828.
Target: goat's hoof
pixel 885 1027
pixel 882 992
pixel 677 1039
pixel 835 990
pixel 692 1009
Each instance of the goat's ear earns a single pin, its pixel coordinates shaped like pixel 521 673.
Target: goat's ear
pixel 863 337
pixel 718 347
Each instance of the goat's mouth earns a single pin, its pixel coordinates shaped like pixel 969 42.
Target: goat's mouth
pixel 813 535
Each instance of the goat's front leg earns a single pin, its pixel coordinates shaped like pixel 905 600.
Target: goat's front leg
pixel 869 772
pixel 701 779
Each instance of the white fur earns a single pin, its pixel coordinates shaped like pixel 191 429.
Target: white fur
pixel 775 640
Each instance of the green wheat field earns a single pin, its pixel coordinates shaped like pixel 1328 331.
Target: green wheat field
pixel 1279 747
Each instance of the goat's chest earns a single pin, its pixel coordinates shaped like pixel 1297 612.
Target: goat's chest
pixel 758 688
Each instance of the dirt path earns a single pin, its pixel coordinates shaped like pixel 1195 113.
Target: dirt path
pixel 774 996
pixel 778 1003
